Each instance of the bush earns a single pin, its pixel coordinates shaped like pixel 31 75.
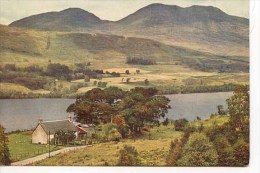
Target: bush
pixel 198 151
pixel 174 153
pixel 4 151
pixel 166 122
pixel 129 157
pixel 180 124
pixel 10 67
pixel 225 151
pixel 241 152
pixel 114 135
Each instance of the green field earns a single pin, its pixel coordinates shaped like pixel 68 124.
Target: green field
pixel 21 147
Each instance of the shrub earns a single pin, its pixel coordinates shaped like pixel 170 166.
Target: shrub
pixel 198 151
pixel 10 67
pixel 129 157
pixel 225 151
pixel 241 152
pixel 166 122
pixel 174 153
pixel 114 135
pixel 180 124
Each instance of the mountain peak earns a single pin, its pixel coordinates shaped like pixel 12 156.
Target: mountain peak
pixel 69 10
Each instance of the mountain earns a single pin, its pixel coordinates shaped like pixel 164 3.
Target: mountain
pixel 201 28
pixel 71 19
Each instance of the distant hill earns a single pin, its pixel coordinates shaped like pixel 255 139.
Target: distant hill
pixel 71 19
pixel 202 28
pixel 197 27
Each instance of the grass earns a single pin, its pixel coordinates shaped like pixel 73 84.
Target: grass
pixel 217 120
pixel 21 147
pixel 152 152
pixel 11 87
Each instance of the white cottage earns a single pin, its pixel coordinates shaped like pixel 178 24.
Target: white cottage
pixel 43 129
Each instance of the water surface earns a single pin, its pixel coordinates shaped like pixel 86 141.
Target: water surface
pixel 24 113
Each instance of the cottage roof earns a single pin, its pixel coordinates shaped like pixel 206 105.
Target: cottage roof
pixel 54 126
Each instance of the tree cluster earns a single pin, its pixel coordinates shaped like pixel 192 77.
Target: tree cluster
pixel 135 107
pixel 140 61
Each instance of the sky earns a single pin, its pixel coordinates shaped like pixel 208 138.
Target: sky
pixel 11 10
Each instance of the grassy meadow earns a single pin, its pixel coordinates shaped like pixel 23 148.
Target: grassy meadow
pixel 21 147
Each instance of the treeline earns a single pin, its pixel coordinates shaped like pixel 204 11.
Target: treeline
pixel 140 61
pixel 220 66
pixel 35 77
pixel 197 89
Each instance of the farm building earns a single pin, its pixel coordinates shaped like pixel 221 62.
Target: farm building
pixel 41 133
pixel 46 130
pixel 84 130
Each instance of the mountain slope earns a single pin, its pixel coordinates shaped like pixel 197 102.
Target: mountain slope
pixel 201 28
pixel 71 19
pixel 198 27
pixel 25 46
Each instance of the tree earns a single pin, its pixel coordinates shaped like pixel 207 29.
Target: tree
pixel 127 72
pixel 238 109
pixel 96 106
pixel 140 106
pixel 221 110
pixel 128 156
pixel 146 82
pixel 198 151
pixel 121 125
pixel 64 137
pixel 59 71
pixel 166 122
pixel 238 105
pixel 180 124
pixel 128 80
pixel 4 151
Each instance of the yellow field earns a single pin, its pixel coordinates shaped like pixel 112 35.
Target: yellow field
pixel 11 87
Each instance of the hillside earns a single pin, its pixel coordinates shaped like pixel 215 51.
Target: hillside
pixel 171 69
pixel 25 46
pixel 201 28
pixel 67 20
